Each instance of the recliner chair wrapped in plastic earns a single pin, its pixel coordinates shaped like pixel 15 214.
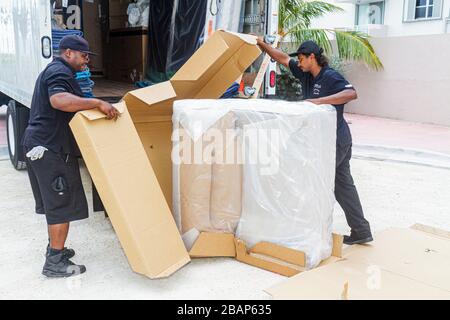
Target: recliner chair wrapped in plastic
pixel 260 169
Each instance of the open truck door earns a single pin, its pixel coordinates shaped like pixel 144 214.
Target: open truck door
pixel 25 50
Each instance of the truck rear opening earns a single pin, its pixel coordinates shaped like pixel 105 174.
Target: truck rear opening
pixel 129 55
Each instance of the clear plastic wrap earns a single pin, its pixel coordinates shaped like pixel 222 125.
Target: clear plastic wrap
pixel 262 169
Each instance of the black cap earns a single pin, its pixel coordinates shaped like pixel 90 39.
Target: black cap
pixel 76 43
pixel 307 48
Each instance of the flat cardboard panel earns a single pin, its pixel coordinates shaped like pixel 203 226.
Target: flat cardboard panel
pixel 408 252
pixel 131 194
pixel 363 283
pixel 399 264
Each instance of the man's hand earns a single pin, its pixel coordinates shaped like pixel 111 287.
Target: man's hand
pixel 108 110
pixel 260 42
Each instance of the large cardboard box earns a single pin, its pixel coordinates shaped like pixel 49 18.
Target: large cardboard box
pixel 408 264
pixel 130 159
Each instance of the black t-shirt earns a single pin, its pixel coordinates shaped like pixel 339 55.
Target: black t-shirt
pixel 327 82
pixel 49 127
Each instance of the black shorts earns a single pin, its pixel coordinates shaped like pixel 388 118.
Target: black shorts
pixel 56 184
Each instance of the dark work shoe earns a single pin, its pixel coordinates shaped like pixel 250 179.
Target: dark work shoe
pixel 59 266
pixel 69 253
pixel 353 239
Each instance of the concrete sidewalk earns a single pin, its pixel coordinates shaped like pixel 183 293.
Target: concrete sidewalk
pixel 400 134
pixel 392 194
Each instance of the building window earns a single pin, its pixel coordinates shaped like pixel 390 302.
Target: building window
pixel 418 10
pixel 370 13
pixel 424 9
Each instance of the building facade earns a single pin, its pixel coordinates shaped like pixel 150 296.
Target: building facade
pixel 412 40
pixel 390 18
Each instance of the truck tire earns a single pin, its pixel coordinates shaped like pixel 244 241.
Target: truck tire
pixel 16 121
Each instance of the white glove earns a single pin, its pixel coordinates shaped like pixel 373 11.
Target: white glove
pixel 36 153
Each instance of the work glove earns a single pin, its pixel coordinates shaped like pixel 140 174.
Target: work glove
pixel 36 153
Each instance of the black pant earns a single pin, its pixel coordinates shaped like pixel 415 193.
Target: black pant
pixel 346 194
pixel 57 188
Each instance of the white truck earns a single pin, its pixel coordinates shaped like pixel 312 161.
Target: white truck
pixel 26 47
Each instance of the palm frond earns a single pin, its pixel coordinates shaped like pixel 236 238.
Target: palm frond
pixel 353 45
pixel 315 9
pixel 320 36
pixel 301 12
pixel 295 18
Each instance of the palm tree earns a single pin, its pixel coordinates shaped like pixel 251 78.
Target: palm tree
pixel 295 17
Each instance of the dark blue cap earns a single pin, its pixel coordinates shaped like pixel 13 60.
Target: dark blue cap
pixel 307 48
pixel 76 43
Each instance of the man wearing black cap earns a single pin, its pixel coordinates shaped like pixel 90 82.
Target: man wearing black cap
pixel 51 151
pixel 323 85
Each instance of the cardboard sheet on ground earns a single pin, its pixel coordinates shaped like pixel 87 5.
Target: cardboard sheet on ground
pixel 409 263
pixel 129 159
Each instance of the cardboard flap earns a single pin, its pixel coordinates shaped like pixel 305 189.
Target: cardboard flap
pixel 95 114
pixel 214 67
pixel 275 251
pixel 248 38
pixel 153 101
pixel 338 241
pixel 265 262
pixel 153 94
pixel 210 244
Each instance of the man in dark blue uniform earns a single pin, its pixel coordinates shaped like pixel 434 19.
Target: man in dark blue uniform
pixel 51 151
pixel 323 85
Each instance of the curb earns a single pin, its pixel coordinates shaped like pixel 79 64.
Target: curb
pixel 402 155
pixel 4 153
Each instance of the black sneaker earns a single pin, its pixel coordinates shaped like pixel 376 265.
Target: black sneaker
pixel 69 253
pixel 353 239
pixel 59 266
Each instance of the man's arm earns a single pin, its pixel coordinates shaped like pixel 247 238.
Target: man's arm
pixel 68 102
pixel 277 55
pixel 342 97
